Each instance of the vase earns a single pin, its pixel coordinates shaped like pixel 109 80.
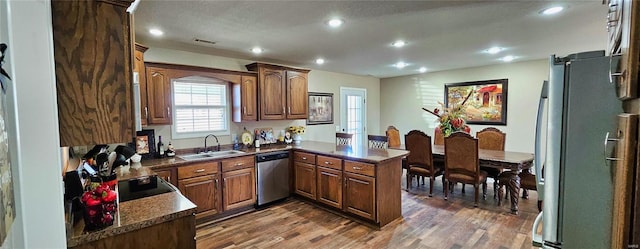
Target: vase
pixel 297 138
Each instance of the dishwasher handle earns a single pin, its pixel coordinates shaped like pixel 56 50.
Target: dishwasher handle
pixel 271 156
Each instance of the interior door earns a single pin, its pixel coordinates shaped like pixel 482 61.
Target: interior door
pixel 353 114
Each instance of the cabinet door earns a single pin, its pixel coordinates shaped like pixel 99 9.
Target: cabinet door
pixel 158 96
pixel 330 187
pixel 305 179
pixel 92 53
pixel 239 188
pixel 626 75
pixel 169 175
pixel 272 94
pixel 202 191
pixel 138 66
pixel 249 98
pixel 359 195
pixel 297 99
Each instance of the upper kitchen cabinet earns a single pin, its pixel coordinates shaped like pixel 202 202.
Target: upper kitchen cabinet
pixel 93 53
pixel 158 95
pixel 623 25
pixel 138 67
pixel 282 91
pixel 245 97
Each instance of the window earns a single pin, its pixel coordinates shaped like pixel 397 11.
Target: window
pixel 200 107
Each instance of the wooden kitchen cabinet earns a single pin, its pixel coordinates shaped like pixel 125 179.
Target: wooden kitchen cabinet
pixel 239 188
pixel 245 99
pixel 282 91
pixel 360 195
pixel 624 40
pixel 329 187
pixel 200 183
pixel 93 53
pixel 158 95
pixel 169 175
pixel 138 66
pixel 305 179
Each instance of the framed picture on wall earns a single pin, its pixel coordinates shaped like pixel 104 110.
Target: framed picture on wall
pixel 487 104
pixel 145 143
pixel 320 108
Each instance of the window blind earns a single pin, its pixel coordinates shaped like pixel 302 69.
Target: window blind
pixel 199 107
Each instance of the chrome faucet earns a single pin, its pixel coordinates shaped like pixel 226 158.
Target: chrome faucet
pixel 205 143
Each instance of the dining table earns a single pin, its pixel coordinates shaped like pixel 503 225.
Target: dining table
pixel 515 162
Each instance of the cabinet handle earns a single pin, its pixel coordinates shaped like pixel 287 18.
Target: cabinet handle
pixel 146 113
pixel 168 112
pixel 357 168
pixel 329 163
pixel 239 164
pixel 199 171
pixel 168 178
pixel 289 109
pixel 304 158
pixel 606 141
pixel 244 109
pixel 283 110
pixel 216 183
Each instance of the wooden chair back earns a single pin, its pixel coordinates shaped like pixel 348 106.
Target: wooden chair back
pixel 461 157
pixel 419 146
pixel 393 136
pixel 438 137
pixel 378 142
pixel 491 138
pixel 343 138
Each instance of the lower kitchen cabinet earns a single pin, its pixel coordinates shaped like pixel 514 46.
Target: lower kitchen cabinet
pixel 239 188
pixel 330 187
pixel 305 179
pixel 202 191
pixel 169 175
pixel 360 195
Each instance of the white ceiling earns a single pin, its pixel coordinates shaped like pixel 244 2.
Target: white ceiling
pixel 441 35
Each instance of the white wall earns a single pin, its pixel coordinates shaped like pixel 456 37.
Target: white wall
pixel 319 81
pixel 404 97
pixel 33 126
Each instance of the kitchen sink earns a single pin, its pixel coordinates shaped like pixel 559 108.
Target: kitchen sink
pixel 211 155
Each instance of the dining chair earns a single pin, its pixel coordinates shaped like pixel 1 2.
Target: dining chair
pixel 343 138
pixel 420 158
pixel 393 135
pixel 378 142
pixel 462 163
pixel 438 138
pixel 491 138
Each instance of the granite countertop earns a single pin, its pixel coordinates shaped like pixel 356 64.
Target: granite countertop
pixel 135 214
pixel 363 154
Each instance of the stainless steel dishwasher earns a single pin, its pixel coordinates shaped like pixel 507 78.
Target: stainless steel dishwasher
pixel 273 176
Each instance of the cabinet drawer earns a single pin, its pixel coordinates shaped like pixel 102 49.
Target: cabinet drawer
pixel 198 169
pixel 360 168
pixel 330 162
pixel 304 157
pixel 238 163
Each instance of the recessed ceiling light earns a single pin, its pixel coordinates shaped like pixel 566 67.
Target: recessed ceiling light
pixel 256 50
pixel 400 65
pixel 508 58
pixel 156 32
pixel 335 22
pixel 494 50
pixel 319 61
pixel 422 69
pixel 552 10
pixel 398 43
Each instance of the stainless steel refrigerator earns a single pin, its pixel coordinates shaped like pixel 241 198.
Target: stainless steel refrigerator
pixel 580 108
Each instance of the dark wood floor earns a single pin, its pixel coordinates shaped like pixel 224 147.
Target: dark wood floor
pixel 428 222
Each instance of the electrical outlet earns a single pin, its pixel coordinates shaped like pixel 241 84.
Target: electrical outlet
pixel 337 128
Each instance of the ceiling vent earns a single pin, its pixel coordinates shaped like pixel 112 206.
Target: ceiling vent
pixel 204 41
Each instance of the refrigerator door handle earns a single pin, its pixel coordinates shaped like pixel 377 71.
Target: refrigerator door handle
pixel 606 142
pixel 536 238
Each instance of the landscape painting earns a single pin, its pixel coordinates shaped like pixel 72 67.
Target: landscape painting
pixel 487 102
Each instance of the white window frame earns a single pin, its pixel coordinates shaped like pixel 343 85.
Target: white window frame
pixel 227 112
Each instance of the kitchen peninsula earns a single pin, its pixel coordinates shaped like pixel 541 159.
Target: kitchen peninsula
pixel 358 182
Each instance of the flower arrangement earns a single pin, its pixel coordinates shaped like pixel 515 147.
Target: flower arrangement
pixel 451 119
pixel 296 130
